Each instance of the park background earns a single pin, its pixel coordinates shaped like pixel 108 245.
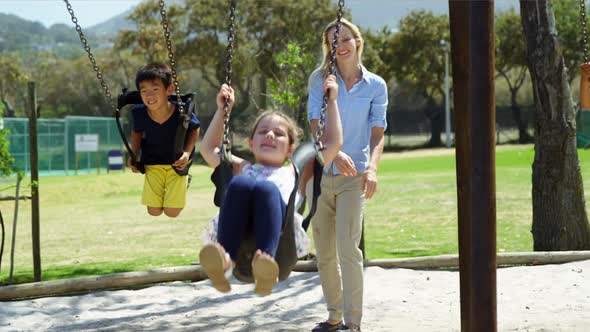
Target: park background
pixel 93 223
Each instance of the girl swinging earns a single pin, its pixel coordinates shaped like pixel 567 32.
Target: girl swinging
pixel 257 196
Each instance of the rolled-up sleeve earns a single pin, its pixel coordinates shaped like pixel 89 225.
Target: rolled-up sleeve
pixel 194 122
pixel 316 95
pixel 377 113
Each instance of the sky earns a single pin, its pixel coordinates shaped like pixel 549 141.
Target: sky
pixel 49 12
pixel 91 12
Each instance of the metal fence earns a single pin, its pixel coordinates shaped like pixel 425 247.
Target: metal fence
pixel 57 141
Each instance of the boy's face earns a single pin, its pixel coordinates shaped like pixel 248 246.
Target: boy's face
pixel 154 94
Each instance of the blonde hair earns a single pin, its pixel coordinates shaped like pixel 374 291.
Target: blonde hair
pixel 293 130
pixel 328 38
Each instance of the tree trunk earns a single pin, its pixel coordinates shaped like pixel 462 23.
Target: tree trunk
pixel 523 135
pixel 559 214
pixel 436 117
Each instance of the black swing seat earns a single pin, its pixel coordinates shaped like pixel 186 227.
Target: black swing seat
pixel 134 98
pixel 286 255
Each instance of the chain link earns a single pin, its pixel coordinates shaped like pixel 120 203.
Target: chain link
pixel 166 27
pixel 228 67
pixel 584 30
pixel 95 66
pixel 331 68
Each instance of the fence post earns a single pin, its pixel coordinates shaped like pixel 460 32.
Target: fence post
pixel 34 180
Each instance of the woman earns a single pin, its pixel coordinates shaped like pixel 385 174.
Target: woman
pixel 350 178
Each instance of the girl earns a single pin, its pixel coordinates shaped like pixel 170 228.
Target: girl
pixel 258 194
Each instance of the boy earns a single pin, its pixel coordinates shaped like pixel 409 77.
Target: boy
pixel 155 123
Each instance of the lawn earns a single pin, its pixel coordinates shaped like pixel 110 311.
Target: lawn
pixel 94 224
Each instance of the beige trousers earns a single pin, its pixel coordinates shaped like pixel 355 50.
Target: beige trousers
pixel 337 226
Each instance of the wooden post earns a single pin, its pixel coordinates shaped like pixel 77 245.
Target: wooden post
pixel 482 107
pixel 34 180
pixel 472 47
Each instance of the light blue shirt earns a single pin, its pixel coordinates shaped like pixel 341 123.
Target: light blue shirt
pixel 361 108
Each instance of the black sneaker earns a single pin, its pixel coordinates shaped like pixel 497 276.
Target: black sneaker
pixel 349 329
pixel 327 327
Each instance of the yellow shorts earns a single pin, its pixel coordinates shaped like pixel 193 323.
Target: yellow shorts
pixel 162 187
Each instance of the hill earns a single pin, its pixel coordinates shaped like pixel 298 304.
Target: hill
pixel 23 36
pixel 18 34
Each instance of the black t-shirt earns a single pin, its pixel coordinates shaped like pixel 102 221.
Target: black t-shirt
pixel 157 140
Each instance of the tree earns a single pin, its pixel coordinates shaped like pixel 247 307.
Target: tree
pixel 262 28
pixel 288 91
pixel 417 61
pixel 569 31
pixel 12 79
pixel 560 221
pixel 511 63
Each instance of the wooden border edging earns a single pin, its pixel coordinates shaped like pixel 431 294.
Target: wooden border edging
pixel 452 261
pixel 107 281
pixel 195 273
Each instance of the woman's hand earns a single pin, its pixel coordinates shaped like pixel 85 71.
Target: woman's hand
pixel 331 87
pixel 369 183
pixel 344 164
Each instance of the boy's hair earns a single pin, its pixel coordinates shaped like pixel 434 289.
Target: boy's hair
pixel 154 71
pixel 293 130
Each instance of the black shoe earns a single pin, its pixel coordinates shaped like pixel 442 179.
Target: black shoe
pixel 327 327
pixel 349 329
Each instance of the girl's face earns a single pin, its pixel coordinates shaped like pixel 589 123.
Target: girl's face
pixel 347 45
pixel 154 95
pixel 270 142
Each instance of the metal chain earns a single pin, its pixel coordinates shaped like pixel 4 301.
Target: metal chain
pixel 95 66
pixel 331 68
pixel 171 58
pixel 584 30
pixel 228 69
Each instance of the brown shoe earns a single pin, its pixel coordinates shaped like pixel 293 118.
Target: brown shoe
pixel 213 259
pixel 266 274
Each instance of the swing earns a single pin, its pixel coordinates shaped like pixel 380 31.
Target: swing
pixel 186 105
pixel 286 255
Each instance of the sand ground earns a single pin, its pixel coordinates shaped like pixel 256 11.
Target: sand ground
pixel 530 298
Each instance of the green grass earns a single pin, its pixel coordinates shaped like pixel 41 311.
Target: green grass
pixel 94 224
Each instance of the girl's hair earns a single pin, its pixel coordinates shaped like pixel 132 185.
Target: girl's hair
pixel 293 130
pixel 328 38
pixel 154 71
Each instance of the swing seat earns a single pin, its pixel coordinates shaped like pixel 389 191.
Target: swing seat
pixel 286 255
pixel 134 98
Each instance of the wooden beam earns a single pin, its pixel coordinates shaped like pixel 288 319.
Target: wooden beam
pixel 107 281
pixel 196 273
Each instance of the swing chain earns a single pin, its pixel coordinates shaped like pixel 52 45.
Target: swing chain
pixel 584 30
pixel 171 58
pixel 331 69
pixel 228 67
pixel 95 66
